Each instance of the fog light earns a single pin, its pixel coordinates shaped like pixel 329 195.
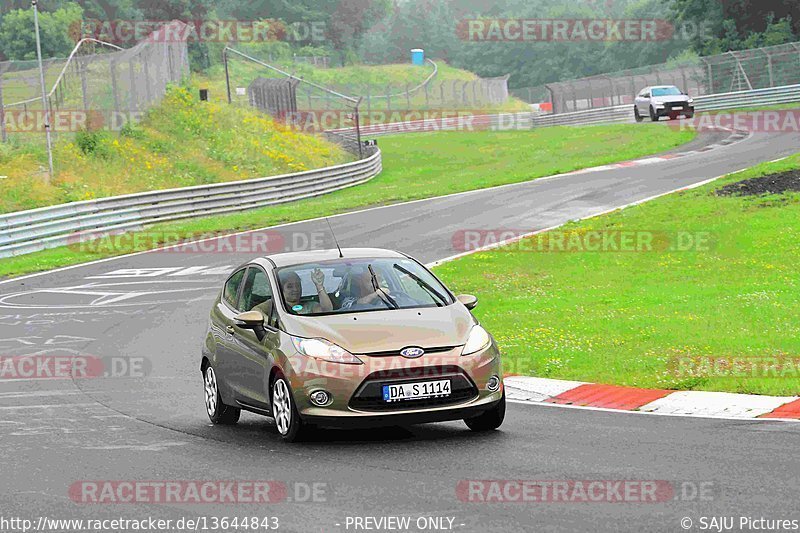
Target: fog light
pixel 493 384
pixel 321 398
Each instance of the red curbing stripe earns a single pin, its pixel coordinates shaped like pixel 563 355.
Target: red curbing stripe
pixel 790 410
pixel 609 397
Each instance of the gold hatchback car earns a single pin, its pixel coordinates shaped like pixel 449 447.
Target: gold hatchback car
pixel 358 337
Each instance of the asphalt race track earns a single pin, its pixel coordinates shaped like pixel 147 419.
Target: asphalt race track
pixel 153 307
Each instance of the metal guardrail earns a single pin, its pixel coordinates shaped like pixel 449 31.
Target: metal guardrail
pixel 759 97
pixel 712 102
pixel 24 232
pixel 603 115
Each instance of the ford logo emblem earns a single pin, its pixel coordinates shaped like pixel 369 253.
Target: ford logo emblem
pixel 412 353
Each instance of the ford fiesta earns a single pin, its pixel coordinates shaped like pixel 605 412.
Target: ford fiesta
pixel 361 337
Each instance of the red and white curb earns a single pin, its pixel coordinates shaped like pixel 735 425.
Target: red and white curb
pixel 734 137
pixel 652 401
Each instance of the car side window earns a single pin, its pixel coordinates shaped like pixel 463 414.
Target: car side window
pixel 257 292
pixel 231 292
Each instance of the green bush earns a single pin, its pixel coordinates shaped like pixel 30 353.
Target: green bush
pixel 132 131
pixel 93 143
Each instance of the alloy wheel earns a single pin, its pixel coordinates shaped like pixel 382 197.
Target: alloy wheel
pixel 282 405
pixel 212 395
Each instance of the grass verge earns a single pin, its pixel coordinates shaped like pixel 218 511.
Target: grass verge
pixel 180 143
pixel 418 166
pixel 714 317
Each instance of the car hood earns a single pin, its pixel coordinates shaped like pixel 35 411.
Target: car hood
pixel 389 330
pixel 671 99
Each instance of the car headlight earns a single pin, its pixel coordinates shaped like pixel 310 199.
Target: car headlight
pixel 478 340
pixel 324 350
pixel 691 100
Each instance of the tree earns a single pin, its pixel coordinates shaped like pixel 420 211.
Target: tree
pixel 350 20
pixel 739 24
pixel 57 32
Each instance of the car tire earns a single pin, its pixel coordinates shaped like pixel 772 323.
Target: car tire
pixel 653 114
pixel 491 419
pixel 218 412
pixel 287 419
pixel 689 115
pixel 636 115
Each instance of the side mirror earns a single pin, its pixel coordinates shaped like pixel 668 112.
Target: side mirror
pixel 469 301
pixel 250 320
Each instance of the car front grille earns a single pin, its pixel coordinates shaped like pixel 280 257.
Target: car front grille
pixel 396 353
pixel 678 106
pixel 369 396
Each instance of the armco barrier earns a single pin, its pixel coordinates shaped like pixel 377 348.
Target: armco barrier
pixel 711 102
pixel 24 232
pixel 604 115
pixel 759 97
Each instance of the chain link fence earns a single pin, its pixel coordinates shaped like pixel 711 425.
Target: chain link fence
pixel 430 93
pixel 745 70
pixel 446 94
pixel 99 86
pixel 272 90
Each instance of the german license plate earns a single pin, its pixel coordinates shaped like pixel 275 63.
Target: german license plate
pixel 416 391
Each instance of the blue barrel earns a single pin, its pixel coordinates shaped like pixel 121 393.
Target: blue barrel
pixel 418 57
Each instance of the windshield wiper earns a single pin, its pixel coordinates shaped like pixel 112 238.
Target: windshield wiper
pixel 380 292
pixel 422 283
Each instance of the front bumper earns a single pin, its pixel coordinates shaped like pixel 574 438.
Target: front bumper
pixel 408 418
pixel 675 109
pixel 353 387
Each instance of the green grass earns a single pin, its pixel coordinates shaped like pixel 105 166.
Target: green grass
pixel 181 142
pixel 421 166
pixel 382 75
pixel 629 318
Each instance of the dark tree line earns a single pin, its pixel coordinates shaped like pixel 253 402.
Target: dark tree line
pixel 379 31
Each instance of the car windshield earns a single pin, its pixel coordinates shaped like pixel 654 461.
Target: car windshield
pixel 667 91
pixel 359 285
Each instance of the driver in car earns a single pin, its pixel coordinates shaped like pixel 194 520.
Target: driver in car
pixel 292 289
pixel 362 293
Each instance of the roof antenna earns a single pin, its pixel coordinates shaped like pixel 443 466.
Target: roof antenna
pixel 341 255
